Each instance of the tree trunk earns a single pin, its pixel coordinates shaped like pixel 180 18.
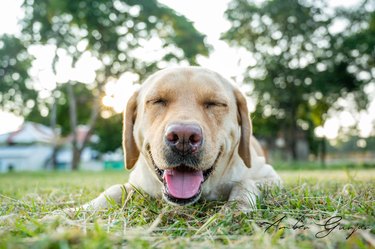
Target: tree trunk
pixel 54 157
pixel 53 127
pixel 73 126
pixel 76 159
pixel 323 152
pixel 293 145
pixel 293 136
pixel 77 148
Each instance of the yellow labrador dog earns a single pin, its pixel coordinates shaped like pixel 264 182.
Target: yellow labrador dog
pixel 187 135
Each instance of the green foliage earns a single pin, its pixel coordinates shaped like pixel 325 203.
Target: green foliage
pixel 84 100
pixel 114 32
pixel 302 66
pixel 109 131
pixel 16 93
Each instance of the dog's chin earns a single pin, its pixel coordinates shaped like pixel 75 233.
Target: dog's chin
pixel 182 197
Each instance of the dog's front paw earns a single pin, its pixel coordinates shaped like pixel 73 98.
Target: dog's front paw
pixel 245 194
pixel 237 206
pixel 246 207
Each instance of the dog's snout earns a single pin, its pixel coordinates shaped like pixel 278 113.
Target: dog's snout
pixel 185 138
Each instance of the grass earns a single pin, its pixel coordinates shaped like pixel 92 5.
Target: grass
pixel 292 217
pixel 316 165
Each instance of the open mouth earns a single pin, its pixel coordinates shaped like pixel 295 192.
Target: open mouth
pixel 182 184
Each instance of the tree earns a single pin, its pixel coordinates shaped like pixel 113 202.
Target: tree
pixel 302 65
pixel 16 93
pixel 114 33
pixel 106 128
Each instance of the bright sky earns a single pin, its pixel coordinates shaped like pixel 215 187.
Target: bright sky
pixel 208 18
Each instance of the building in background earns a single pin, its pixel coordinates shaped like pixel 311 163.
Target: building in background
pixel 29 148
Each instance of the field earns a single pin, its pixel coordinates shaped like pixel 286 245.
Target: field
pixel 315 209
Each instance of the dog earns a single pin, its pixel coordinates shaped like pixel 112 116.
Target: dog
pixel 187 136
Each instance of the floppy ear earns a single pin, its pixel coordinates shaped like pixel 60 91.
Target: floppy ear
pixel 246 129
pixel 128 143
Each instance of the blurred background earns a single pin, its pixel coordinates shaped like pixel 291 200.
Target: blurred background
pixel 68 67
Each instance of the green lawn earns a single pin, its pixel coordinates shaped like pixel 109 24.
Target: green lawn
pixel 316 209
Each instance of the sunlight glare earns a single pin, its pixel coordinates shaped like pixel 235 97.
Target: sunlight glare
pixel 119 91
pixel 12 123
pixel 329 130
pixel 84 70
pixel 366 128
pixel 346 119
pixel 10 13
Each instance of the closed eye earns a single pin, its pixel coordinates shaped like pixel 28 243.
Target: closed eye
pixel 212 104
pixel 158 101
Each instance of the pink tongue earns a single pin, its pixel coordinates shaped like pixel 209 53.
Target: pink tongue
pixel 183 184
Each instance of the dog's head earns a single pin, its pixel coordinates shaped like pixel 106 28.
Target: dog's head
pixel 185 122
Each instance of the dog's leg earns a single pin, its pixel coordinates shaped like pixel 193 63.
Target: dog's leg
pixel 245 194
pixel 115 194
pixel 267 176
pixel 262 172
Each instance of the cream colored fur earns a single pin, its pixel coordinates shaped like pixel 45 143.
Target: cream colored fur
pixel 240 167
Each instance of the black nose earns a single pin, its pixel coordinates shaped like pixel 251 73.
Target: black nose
pixel 184 138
